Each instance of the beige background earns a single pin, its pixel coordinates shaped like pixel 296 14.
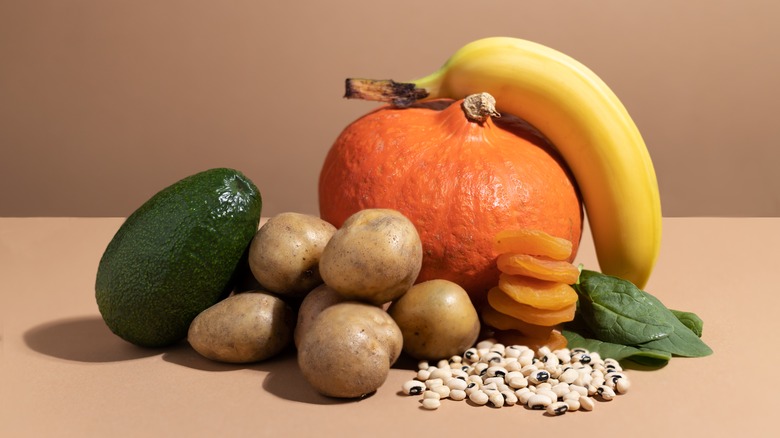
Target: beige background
pixel 104 102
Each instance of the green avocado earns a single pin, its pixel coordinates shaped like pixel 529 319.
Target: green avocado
pixel 176 256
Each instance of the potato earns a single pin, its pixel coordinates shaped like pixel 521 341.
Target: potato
pixel 285 253
pixel 349 349
pixel 437 320
pixel 313 304
pixel 374 257
pixel 243 328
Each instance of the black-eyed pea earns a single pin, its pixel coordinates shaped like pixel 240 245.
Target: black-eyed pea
pixel 459 373
pixel 413 387
pixel 485 344
pixel 475 379
pixel 431 394
pixel 582 390
pixel 553 396
pixel 587 403
pixel 557 408
pixel 523 394
pixel 431 403
pixel 455 360
pixel 495 379
pixel 573 404
pixel 564 355
pixel 605 392
pixel 492 358
pixel 455 383
pixel 441 373
pixel 550 359
pixel 513 366
pixel 518 382
pixel 471 355
pixel 510 399
pixel 538 376
pixel 423 375
pixel 472 387
pixel 496 371
pixel 442 390
pixel 496 398
pixel 572 395
pixel 432 383
pixel 526 357
pixel 479 397
pixel 458 394
pixel 622 386
pixel 443 363
pixel 569 376
pixel 423 365
pixel 512 351
pixel 539 401
pixel 480 369
pixel 561 389
pixel 613 378
pixel 582 358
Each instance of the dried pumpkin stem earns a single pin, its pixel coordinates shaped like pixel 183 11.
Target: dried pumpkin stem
pixel 480 107
pixel 401 94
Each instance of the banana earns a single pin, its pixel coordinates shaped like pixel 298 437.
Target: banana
pixel 586 122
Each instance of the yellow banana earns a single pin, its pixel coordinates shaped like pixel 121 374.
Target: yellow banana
pixel 585 121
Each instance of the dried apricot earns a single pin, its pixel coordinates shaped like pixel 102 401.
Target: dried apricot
pixel 501 321
pixel 554 341
pixel 541 269
pixel 533 242
pixel 548 295
pixel 502 302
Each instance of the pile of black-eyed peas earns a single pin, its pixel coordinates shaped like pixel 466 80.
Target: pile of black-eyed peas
pixel 493 374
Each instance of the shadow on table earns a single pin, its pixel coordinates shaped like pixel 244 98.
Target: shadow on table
pixel 283 377
pixel 84 339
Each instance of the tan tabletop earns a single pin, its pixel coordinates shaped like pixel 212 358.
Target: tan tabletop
pixel 63 373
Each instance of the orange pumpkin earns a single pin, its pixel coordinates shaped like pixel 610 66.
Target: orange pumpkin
pixel 459 181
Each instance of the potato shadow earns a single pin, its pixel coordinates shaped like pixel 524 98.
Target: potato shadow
pixel 283 377
pixel 83 339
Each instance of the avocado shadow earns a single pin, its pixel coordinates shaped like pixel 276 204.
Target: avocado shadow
pixel 83 339
pixel 283 377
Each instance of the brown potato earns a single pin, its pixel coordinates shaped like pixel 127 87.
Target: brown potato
pixel 374 257
pixel 437 320
pixel 243 328
pixel 312 305
pixel 349 349
pixel 285 253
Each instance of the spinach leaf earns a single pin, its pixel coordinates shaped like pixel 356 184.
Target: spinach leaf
pixel 682 341
pixel 648 357
pixel 615 311
pixel 618 312
pixel 690 320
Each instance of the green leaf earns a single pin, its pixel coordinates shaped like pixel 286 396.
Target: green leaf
pixel 622 353
pixel 618 312
pixel 690 320
pixel 682 341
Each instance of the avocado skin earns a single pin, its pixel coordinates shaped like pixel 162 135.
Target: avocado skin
pixel 176 255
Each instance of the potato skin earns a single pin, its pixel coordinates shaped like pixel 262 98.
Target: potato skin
pixel 349 349
pixel 285 253
pixel 322 297
pixel 374 257
pixel 437 319
pixel 243 328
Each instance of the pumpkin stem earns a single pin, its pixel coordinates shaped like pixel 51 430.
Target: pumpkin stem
pixel 480 107
pixel 401 94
